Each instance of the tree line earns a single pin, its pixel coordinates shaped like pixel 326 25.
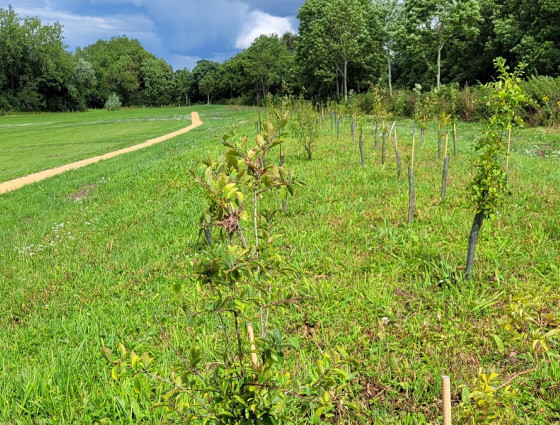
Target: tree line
pixel 343 46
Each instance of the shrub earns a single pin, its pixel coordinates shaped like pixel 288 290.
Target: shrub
pixel 113 103
pixel 544 95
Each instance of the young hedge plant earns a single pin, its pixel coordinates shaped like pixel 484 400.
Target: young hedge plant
pixel 488 187
pixel 240 279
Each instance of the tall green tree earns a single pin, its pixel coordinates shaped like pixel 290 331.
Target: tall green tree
pixel 83 81
pixel 157 81
pixel 432 24
pixel 35 68
pixel 334 37
pixel 202 69
pixel 266 61
pixel 391 13
pixel 527 31
pixel 183 86
pixel 117 63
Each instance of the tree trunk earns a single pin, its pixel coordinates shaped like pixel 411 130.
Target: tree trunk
pixel 208 98
pixel 345 79
pixel 473 237
pixel 440 47
pixel 338 127
pixel 507 155
pixel 376 136
pixel 399 164
pixel 389 71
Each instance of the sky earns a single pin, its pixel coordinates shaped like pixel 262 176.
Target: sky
pixel 180 31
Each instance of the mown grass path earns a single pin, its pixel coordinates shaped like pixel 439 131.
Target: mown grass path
pixel 42 175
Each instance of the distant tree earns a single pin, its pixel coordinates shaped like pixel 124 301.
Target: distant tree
pixel 527 31
pixel 335 36
pixel 183 82
pixel 35 68
pixel 157 79
pixel 207 86
pixel 230 77
pixel 202 69
pixel 113 102
pixel 83 80
pixel 391 13
pixel 266 61
pixel 117 63
pixel 289 39
pixel 431 24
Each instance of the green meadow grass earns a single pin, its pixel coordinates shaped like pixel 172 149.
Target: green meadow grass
pixel 87 259
pixel 31 143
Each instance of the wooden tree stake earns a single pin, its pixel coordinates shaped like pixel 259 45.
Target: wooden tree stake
pixel 254 358
pixel 446 394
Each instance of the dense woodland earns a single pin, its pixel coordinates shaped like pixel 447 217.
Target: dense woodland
pixel 343 47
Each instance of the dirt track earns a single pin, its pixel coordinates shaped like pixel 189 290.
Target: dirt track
pixel 42 175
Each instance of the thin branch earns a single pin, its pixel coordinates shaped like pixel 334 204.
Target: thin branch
pixel 524 372
pixel 183 359
pixel 179 387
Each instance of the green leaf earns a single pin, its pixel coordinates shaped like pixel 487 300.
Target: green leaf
pixel 552 333
pixel 137 386
pixel 176 288
pixel 465 393
pixel 115 372
pixel 106 352
pixel 145 360
pixel 499 343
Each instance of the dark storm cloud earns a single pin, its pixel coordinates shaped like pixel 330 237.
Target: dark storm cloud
pixel 180 31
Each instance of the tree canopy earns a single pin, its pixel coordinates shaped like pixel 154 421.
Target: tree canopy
pixel 341 46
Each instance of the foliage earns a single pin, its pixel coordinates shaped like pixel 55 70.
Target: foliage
pixel 305 126
pixel 368 276
pixel 342 46
pixel 531 322
pixel 36 71
pixel 543 92
pixel 336 38
pixel 485 404
pixel 432 25
pixel 267 63
pixel 113 102
pixel 504 98
pixel 242 379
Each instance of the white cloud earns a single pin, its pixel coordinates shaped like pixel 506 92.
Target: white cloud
pixel 178 61
pixel 259 23
pixel 180 31
pixel 83 30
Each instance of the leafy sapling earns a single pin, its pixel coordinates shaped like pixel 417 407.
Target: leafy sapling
pixel 488 187
pixel 306 127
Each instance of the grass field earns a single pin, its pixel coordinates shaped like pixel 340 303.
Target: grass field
pixel 32 143
pixel 87 257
